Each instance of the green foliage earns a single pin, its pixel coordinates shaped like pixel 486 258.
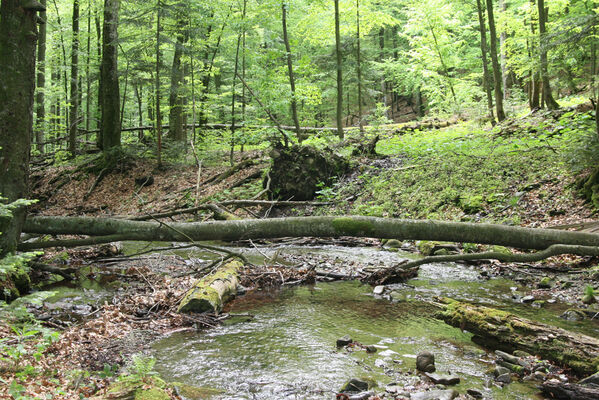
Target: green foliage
pixel 143 366
pixel 589 291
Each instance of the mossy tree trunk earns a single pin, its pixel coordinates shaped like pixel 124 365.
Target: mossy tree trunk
pixel 483 48
pixel 40 98
pixel 18 41
pixel 402 229
pixel 177 98
pixel 74 99
pixel 496 68
pixel 508 332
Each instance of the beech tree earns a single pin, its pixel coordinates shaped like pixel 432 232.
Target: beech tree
pixel 18 41
pixel 111 122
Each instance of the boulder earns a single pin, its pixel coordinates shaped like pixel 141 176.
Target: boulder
pixel 425 362
pixel 443 379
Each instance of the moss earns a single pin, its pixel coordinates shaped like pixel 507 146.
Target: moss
pixel 195 393
pixel 151 394
pixel 545 283
pixel 425 247
pixel 471 204
pixel 203 297
pixel 352 226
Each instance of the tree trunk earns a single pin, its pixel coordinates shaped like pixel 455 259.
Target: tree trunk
pixel 300 136
pixel 525 238
pixel 547 96
pixel 139 96
pixel 74 98
pixel 569 391
pixel 359 67
pixel 210 293
pixel 503 53
pixel 233 94
pixel 508 332
pixel 157 86
pixel 483 48
pixel 18 40
pixel 177 131
pixel 339 114
pixel 99 141
pixel 88 80
pixel 495 62
pixel 41 83
pixel 111 124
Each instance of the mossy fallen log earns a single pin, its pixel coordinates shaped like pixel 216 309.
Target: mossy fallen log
pixel 210 293
pixel 502 330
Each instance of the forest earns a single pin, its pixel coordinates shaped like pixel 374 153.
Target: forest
pixel 299 199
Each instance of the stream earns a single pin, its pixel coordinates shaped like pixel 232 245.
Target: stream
pixel 285 347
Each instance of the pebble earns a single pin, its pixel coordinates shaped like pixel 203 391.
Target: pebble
pixel 475 393
pixel 378 290
pixel 443 379
pixel 528 299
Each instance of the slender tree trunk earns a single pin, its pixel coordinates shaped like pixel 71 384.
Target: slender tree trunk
pixel 339 116
pixel 41 83
pixel 18 41
pixel 65 81
pixel 300 136
pixel 483 48
pixel 139 96
pixel 383 82
pixel 74 102
pixel 243 94
pixel 495 62
pixel 547 96
pixel 99 141
pixel 359 67
pixel 445 69
pixel 233 94
pixel 176 129
pixel 88 88
pixel 157 83
pixel 111 124
pixel 503 54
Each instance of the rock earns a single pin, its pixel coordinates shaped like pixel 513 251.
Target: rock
pixel 573 315
pixel 474 393
pixel 538 303
pixel 499 370
pixel 393 244
pixel 380 363
pixel 344 341
pixel 425 362
pixel 528 299
pixel 593 379
pixel 588 299
pixel 393 389
pixel 507 357
pixel 435 395
pixel 505 378
pixel 539 376
pixel 443 379
pixel 378 290
pixel 354 386
pixel 545 283
pixel 522 354
pixel 516 368
pixel 361 396
pixel 371 349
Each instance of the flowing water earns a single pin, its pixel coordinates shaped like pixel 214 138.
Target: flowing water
pixel 286 350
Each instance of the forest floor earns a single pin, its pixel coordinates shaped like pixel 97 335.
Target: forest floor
pixel 523 172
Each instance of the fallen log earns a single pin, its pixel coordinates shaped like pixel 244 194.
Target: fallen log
pixel 210 293
pixel 569 391
pixel 383 228
pixel 504 331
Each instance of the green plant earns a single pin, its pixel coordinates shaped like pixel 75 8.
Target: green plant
pixel 144 366
pixel 589 291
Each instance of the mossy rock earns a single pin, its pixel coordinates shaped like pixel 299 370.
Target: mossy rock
pixel 298 172
pixel 393 244
pixel 545 283
pixel 136 389
pixel 14 285
pixel 195 393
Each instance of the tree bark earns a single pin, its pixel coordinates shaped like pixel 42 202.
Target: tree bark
pixel 547 96
pixel 111 124
pixel 495 62
pixel 569 391
pixel 41 83
pixel 359 67
pixel 339 113
pixel 508 332
pixel 210 293
pixel 300 136
pixel 157 86
pixel 176 98
pixel 525 238
pixel 18 40
pixel 483 48
pixel 74 98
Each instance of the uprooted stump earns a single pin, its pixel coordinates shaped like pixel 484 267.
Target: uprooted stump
pixel 299 172
pixel 210 293
pixel 505 331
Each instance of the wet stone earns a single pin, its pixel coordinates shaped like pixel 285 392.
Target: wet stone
pixel 361 396
pixel 507 357
pixel 504 378
pixel 370 349
pixel 435 395
pixel 344 341
pixel 378 290
pixel 354 386
pixel 425 362
pixel 573 315
pixel 475 393
pixel 528 299
pixel 499 370
pixel 443 379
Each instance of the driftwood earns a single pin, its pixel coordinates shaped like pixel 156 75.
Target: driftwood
pixel 507 332
pixel 210 293
pixel 569 391
pixel 384 228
